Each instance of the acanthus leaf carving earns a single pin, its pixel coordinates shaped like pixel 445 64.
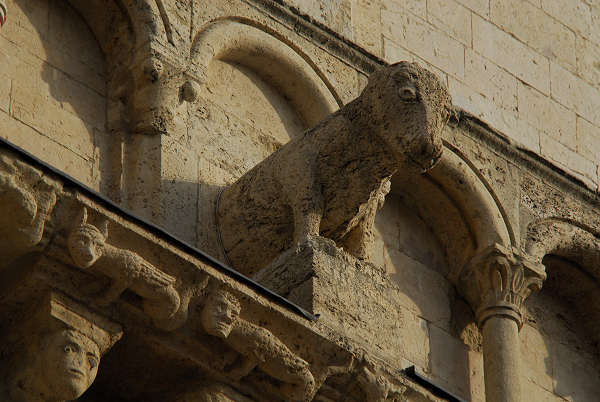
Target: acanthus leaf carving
pixel 498 281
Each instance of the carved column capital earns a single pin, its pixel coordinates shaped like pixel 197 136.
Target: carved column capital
pixel 497 281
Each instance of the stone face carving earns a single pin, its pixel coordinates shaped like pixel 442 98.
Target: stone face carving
pixel 498 281
pixel 30 197
pixel 257 347
pixel 58 352
pixel 330 180
pixel 126 269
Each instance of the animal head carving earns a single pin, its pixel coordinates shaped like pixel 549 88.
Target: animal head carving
pixel 412 107
pixel 86 242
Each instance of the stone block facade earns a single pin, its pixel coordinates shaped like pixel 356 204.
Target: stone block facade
pixel 249 200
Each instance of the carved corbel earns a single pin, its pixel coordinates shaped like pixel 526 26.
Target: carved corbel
pixel 55 354
pixel 126 270
pixel 159 88
pixel 257 348
pixel 30 197
pixel 497 282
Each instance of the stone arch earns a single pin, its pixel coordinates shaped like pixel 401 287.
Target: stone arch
pixel 459 206
pixel 566 312
pixel 246 43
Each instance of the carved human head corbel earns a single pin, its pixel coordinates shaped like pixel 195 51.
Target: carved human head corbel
pixel 57 352
pixel 220 312
pixel 86 242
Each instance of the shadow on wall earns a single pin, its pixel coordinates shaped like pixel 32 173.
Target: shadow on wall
pixel 60 88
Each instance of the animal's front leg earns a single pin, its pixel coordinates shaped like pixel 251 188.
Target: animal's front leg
pixel 359 241
pixel 308 212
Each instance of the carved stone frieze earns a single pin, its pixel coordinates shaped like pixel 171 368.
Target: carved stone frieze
pixel 30 196
pixel 331 180
pixel 56 351
pixel 497 282
pixel 127 270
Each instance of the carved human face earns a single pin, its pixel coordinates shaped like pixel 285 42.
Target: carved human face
pixel 218 316
pixel 67 365
pixel 85 247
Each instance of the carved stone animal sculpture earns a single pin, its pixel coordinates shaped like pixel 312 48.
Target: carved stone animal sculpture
pixel 330 181
pixel 126 269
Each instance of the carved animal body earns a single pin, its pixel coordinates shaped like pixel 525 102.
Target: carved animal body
pixel 330 180
pixel 126 269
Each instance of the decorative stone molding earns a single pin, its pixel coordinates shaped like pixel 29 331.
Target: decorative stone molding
pixel 30 196
pixel 127 270
pixel 330 181
pixel 56 352
pixel 498 280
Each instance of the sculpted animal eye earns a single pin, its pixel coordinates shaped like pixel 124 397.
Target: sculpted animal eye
pixel 407 93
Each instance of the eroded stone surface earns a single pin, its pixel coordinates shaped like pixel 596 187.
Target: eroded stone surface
pixel 330 180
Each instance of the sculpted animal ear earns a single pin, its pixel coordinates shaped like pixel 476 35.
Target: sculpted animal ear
pixel 82 217
pixel 104 228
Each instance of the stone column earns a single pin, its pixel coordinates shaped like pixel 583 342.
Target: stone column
pixel 496 283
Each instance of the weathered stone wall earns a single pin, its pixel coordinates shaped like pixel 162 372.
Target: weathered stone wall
pixel 52 94
pixel 527 68
pixel 257 80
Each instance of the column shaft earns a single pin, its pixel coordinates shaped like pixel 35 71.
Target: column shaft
pixel 501 359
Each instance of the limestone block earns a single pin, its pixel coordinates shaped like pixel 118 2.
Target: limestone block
pixel 575 377
pixel 576 15
pixel 532 390
pixel 509 53
pixel 354 297
pixel 5 89
pixel 569 159
pixel 537 358
pixel 476 373
pixel 534 27
pixel 503 120
pixel 588 140
pixel 547 115
pixel 47 150
pixel 415 7
pixel 427 42
pixel 452 18
pixel 366 25
pixel 481 7
pixel 449 361
pixel 588 54
pixel 575 93
pixel 490 80
pixel 393 53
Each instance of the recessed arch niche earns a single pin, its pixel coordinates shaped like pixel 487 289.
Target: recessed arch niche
pixel 264 85
pixel 565 314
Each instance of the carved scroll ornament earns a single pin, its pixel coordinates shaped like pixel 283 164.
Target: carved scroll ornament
pixel 498 281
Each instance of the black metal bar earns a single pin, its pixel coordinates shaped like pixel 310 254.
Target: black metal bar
pixel 157 230
pixel 435 389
